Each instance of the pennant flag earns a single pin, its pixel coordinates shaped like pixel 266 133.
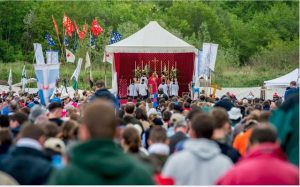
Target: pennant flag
pixel 38 53
pixel 115 37
pixel 75 75
pixel 46 75
pixel 68 25
pixel 75 43
pixel 55 25
pixel 52 56
pixel 92 41
pixel 49 39
pixel 10 80
pixel 87 61
pixel 70 56
pixel 81 34
pixel 24 79
pixel 108 57
pixel 66 41
pixel 96 28
pixel 91 81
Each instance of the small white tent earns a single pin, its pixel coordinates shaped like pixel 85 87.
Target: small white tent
pixel 151 39
pixel 283 81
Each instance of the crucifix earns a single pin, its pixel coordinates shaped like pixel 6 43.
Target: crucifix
pixel 155 60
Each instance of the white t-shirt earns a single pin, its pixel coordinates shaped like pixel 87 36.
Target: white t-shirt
pixel 164 87
pixel 133 88
pixel 142 89
pixel 174 89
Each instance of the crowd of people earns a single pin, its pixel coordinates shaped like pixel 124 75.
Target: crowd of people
pixel 91 139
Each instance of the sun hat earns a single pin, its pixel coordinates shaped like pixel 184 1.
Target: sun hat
pixel 234 113
pixel 55 144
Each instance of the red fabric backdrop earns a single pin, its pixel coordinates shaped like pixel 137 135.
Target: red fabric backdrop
pixel 125 64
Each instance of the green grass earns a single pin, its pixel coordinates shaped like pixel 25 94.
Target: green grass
pixel 247 76
pixel 66 71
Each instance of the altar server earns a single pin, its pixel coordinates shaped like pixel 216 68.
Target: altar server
pixel 132 90
pixel 174 88
pixel 164 87
pixel 142 89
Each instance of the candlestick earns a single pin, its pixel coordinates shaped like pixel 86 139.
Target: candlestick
pixel 142 65
pixel 134 68
pixel 161 70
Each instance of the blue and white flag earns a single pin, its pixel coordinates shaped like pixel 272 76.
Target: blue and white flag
pixel 38 52
pixel 24 79
pixel 49 39
pixel 197 67
pixel 92 41
pixel 46 75
pixel 115 37
pixel 52 56
pixel 66 41
pixel 205 60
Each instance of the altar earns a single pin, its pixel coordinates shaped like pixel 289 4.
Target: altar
pixel 155 49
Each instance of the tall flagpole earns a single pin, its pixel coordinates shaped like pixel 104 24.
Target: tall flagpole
pixel 57 34
pixel 105 79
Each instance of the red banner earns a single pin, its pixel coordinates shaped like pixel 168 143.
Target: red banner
pixel 96 28
pixel 68 25
pixel 81 34
pixel 55 25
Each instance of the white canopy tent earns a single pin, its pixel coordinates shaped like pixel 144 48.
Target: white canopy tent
pixel 283 81
pixel 150 39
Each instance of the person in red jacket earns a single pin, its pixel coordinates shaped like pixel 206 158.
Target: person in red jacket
pixel 264 164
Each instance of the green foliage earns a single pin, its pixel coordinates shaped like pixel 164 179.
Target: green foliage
pixel 252 35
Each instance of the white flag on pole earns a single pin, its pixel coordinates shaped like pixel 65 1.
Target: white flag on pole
pixel 38 52
pixel 87 61
pixel 70 56
pixel 10 81
pixel 210 55
pixel 24 79
pixel 77 70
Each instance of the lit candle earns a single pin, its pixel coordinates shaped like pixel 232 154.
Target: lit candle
pixel 142 65
pixel 161 67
